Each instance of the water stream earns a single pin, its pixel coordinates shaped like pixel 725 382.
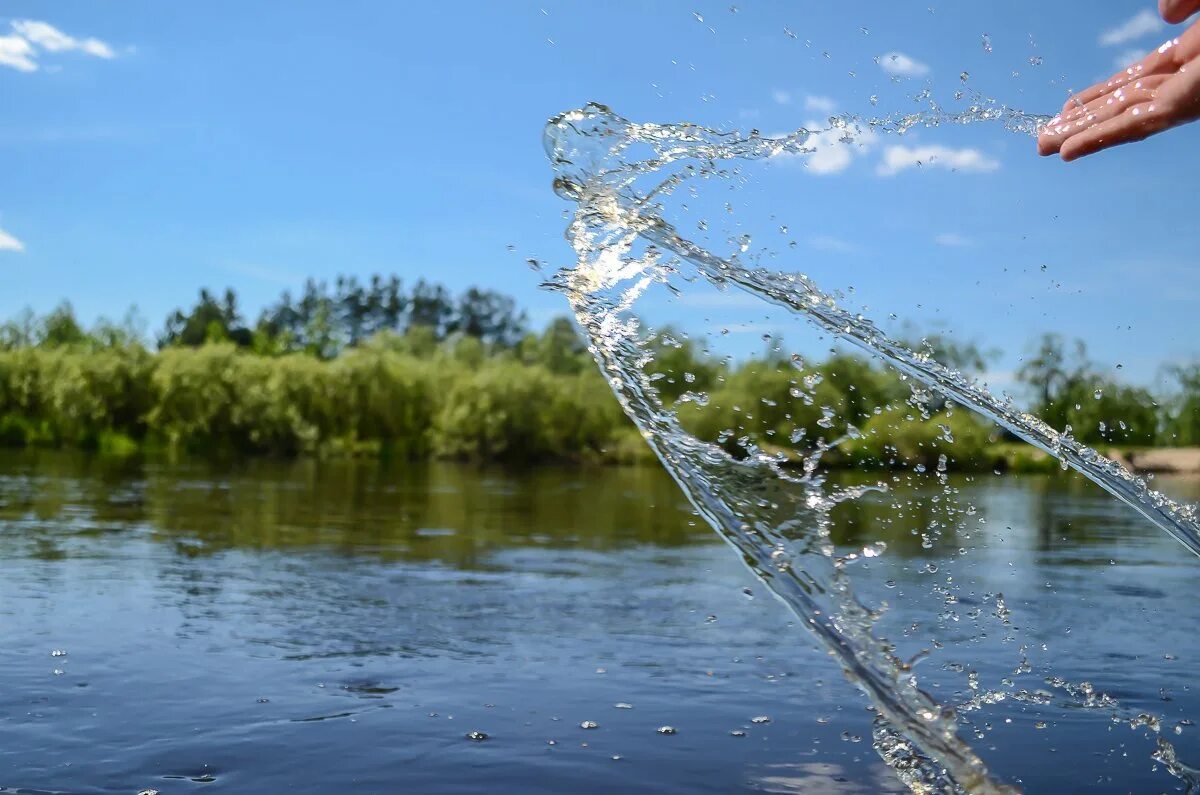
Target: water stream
pixel 620 175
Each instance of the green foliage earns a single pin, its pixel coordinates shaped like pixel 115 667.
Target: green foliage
pixel 370 369
pixel 900 437
pixel 1071 393
pixel 1182 423
pixel 459 400
pixel 324 322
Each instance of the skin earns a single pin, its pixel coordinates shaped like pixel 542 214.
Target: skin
pixel 1157 93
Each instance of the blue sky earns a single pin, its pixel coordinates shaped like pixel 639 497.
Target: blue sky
pixel 149 149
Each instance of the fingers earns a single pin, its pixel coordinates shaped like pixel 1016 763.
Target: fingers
pixel 1060 130
pixel 1135 124
pixel 1159 62
pixel 1176 11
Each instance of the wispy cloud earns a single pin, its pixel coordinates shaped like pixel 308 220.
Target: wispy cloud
pixel 1128 57
pixel 30 39
pixel 264 273
pixel 10 243
pixel 1143 23
pixel 817 104
pixel 952 240
pixel 781 97
pixel 902 158
pixel 833 244
pixel 897 63
pixel 17 53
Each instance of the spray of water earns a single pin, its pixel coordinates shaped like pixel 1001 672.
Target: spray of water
pixel 618 174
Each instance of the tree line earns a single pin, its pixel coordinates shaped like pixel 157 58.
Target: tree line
pixel 372 368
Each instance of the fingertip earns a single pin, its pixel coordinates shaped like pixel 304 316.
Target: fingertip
pixel 1172 11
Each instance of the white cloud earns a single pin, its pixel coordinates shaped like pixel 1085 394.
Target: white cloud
pixel 834 244
pixel 10 243
pixel 834 150
pixel 817 104
pixel 829 151
pixel 1140 24
pixel 901 158
pixel 781 97
pixel 897 63
pixel 20 49
pixel 953 240
pixel 17 53
pixel 829 155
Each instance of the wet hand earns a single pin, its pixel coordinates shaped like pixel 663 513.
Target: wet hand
pixel 1157 93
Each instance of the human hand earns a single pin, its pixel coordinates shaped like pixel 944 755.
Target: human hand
pixel 1157 93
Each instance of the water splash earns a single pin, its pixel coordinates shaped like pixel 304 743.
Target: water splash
pixel 619 174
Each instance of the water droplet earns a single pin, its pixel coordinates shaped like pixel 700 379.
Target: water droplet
pixel 667 730
pixel 589 724
pixel 737 733
pixel 1035 60
pixel 477 736
pixel 623 705
pixel 987 43
pixel 1099 393
pixel 59 653
pixel 761 719
pixel 699 17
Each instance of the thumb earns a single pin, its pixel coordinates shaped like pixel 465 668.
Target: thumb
pixel 1176 11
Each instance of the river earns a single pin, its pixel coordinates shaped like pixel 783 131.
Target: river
pixel 344 626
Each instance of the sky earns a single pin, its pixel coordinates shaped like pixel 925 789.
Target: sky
pixel 149 149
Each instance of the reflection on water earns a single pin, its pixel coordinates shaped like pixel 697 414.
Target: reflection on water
pixel 316 627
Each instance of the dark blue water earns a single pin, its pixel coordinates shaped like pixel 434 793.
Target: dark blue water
pixel 326 627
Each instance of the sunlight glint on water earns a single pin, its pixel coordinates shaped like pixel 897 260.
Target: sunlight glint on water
pixel 619 173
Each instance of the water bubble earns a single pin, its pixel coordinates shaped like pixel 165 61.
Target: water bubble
pixel 761 719
pixel 740 733
pixel 1035 60
pixel 477 736
pixel 59 653
pixel 589 724
pixel 987 43
pixel 667 730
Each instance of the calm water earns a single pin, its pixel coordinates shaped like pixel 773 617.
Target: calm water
pixel 310 627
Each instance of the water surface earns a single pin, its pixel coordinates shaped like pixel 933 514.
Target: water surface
pixel 342 626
